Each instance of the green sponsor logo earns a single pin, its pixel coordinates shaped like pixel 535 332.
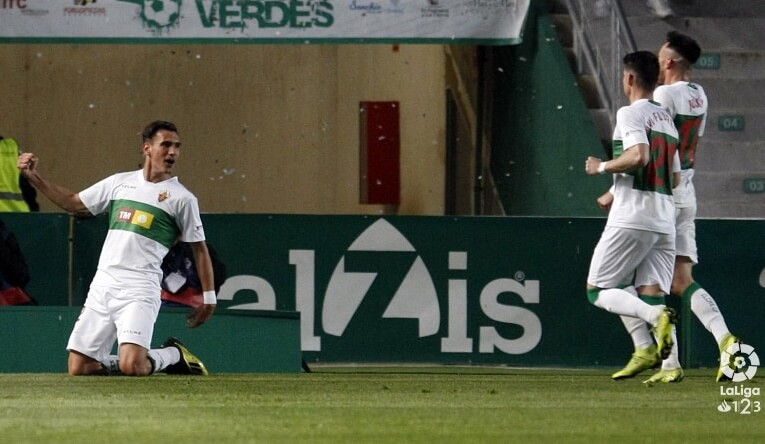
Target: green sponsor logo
pixel 382 276
pixel 230 14
pixel 146 220
pixel 160 16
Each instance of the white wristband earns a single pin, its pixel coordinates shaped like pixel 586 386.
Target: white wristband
pixel 602 168
pixel 208 297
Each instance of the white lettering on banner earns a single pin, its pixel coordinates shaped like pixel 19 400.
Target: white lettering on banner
pixel 344 295
pixel 532 326
pixel 305 299
pixel 457 340
pixel 339 311
pixel 261 287
pixel 415 298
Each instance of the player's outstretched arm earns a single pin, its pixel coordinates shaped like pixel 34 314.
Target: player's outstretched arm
pixel 62 197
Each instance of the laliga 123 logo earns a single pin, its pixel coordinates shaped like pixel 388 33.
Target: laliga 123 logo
pixel 739 362
pixel 159 15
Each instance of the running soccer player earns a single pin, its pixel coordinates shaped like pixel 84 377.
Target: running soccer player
pixel 687 103
pixel 148 210
pixel 638 243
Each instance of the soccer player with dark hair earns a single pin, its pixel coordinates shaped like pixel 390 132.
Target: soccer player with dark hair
pixel 687 103
pixel 148 211
pixel 637 246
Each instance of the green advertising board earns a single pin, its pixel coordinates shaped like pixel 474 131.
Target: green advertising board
pixel 481 290
pixel 450 290
pixel 35 339
pixel 412 289
pixel 44 241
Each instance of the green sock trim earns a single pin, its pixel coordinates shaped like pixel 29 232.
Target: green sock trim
pixel 592 295
pixel 653 300
pixel 691 289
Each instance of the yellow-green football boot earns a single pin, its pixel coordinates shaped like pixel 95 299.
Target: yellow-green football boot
pixel 662 331
pixel 727 341
pixel 673 375
pixel 642 359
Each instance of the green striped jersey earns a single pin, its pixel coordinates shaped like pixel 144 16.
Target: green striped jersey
pixel 145 219
pixel 643 197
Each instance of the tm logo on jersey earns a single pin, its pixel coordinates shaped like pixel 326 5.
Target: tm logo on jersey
pixel 135 217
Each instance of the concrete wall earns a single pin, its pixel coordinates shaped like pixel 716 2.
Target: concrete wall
pixel 266 128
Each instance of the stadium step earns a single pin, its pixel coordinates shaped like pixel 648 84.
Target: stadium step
pixel 585 80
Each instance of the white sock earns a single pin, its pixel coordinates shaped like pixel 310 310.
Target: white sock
pixel 705 308
pixel 638 330
pixel 673 360
pixel 164 357
pixel 636 327
pixel 112 363
pixel 621 302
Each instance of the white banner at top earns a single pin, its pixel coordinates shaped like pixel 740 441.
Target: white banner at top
pixel 497 22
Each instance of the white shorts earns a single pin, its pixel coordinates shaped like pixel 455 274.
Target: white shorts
pixel 110 314
pixel 685 240
pixel 627 256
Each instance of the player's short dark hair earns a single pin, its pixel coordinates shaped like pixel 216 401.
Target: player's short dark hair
pixel 151 129
pixel 645 66
pixel 682 44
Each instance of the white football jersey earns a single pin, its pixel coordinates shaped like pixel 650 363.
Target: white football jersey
pixel 145 219
pixel 687 103
pixel 643 197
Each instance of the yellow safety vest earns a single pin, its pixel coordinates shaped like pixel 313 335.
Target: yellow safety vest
pixel 11 198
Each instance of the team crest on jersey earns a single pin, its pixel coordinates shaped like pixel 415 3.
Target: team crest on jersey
pixel 136 217
pixel 163 196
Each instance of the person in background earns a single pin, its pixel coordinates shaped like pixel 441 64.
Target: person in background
pixel 181 286
pixel 14 272
pixel 16 194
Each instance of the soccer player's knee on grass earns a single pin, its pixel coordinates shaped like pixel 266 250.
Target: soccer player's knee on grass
pixel 134 366
pixel 78 367
pixel 76 370
pixel 134 360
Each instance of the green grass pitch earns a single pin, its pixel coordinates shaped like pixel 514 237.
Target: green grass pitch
pixel 376 405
